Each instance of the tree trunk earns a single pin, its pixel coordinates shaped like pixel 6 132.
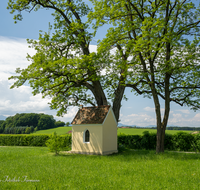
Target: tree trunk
pixel 160 139
pixel 99 94
pixel 117 101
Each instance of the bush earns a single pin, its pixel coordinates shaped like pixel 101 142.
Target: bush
pixel 55 143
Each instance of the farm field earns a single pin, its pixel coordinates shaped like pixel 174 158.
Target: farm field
pixel 135 131
pixel 33 168
pixel 128 131
pixel 59 131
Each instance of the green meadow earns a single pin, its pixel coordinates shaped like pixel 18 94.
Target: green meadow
pixel 139 131
pixel 130 131
pixel 34 168
pixel 59 131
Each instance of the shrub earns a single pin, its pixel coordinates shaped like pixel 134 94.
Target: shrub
pixel 55 143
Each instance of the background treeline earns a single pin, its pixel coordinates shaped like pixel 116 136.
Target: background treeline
pixel 26 123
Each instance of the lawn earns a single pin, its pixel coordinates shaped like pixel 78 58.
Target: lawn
pixel 130 131
pixel 128 169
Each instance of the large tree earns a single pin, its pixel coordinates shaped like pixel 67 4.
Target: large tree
pixel 160 39
pixel 63 67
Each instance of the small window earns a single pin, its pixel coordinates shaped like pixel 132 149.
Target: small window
pixel 87 136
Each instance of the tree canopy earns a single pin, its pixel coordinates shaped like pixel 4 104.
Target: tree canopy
pixel 63 67
pixel 146 49
pixel 164 62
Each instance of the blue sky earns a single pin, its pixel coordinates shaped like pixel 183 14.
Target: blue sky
pixel 13 50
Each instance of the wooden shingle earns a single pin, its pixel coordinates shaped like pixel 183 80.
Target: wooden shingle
pixel 91 115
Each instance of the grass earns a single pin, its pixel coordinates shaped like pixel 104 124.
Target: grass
pixel 135 131
pixel 59 130
pixel 126 170
pixel 130 131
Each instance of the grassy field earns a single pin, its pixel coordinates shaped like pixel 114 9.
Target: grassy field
pixel 59 130
pixel 34 168
pixel 130 131
pixel 135 131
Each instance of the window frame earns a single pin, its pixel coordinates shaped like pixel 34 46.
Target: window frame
pixel 84 136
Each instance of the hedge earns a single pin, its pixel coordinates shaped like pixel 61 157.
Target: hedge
pixel 180 141
pixel 29 140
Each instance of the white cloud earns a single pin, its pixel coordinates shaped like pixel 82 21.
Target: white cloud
pixel 181 120
pixel 138 119
pixel 13 55
pixel 149 109
pixel 69 116
pixel 197 117
pixel 184 111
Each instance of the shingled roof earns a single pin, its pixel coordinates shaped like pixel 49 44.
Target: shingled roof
pixel 91 115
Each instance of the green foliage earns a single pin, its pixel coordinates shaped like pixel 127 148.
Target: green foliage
pixel 23 140
pixel 46 122
pixel 32 140
pixel 59 123
pixel 181 141
pixel 63 67
pixel 55 143
pixel 17 124
pixel 68 124
pixel 196 143
pixel 28 130
pixel 152 48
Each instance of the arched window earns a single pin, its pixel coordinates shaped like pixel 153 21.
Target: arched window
pixel 87 136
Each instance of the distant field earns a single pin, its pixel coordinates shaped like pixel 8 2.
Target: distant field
pixel 128 131
pixel 59 130
pixel 134 131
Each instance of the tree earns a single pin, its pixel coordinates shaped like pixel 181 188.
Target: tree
pixel 68 124
pixel 46 122
pixel 28 130
pixel 59 123
pixel 63 67
pixel 1 126
pixel 162 62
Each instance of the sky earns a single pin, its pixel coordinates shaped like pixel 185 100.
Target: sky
pixel 13 51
